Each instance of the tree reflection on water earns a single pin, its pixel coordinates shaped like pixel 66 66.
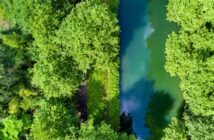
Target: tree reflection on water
pixel 158 108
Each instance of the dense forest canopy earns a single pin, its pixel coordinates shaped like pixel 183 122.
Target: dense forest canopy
pixel 190 56
pixel 51 50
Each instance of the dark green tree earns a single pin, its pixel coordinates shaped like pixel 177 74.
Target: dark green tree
pixel 10 75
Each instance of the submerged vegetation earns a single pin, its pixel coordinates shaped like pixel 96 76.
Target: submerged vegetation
pixel 49 50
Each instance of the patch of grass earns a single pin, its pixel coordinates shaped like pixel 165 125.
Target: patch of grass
pixel 103 96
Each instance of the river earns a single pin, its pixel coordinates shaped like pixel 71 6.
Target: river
pixel 146 90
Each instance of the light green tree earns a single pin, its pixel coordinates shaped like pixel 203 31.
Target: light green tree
pixel 90 35
pixel 90 132
pixel 189 53
pixel 53 121
pixel 190 56
pixel 12 128
pixel 174 131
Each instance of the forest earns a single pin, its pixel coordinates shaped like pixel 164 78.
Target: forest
pixel 190 56
pixel 52 52
pixel 59 70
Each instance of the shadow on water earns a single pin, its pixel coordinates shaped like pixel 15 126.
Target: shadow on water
pixel 148 109
pixel 126 123
pixel 156 43
pixel 141 61
pixel 134 101
pixel 159 106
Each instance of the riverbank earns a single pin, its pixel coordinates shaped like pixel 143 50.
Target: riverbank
pixel 156 43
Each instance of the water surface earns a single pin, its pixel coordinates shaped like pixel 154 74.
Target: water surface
pixel 147 91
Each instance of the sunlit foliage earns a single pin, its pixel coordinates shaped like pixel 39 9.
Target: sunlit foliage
pixel 48 51
pixel 190 56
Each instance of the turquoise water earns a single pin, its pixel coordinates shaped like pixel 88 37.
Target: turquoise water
pixel 146 90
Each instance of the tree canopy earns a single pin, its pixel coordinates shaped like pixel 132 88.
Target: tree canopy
pixel 92 40
pixel 48 52
pixel 190 56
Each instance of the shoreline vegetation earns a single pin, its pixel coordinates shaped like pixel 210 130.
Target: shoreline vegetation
pixel 189 55
pixel 60 70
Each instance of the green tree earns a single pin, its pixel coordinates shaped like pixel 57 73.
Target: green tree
pixel 174 131
pixel 190 15
pixel 36 17
pixel 90 35
pixel 190 126
pixel 13 40
pixel 12 128
pixel 190 54
pixel 198 126
pixel 10 75
pixel 53 121
pixel 13 106
pixel 90 132
pixel 57 75
pixel 29 101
